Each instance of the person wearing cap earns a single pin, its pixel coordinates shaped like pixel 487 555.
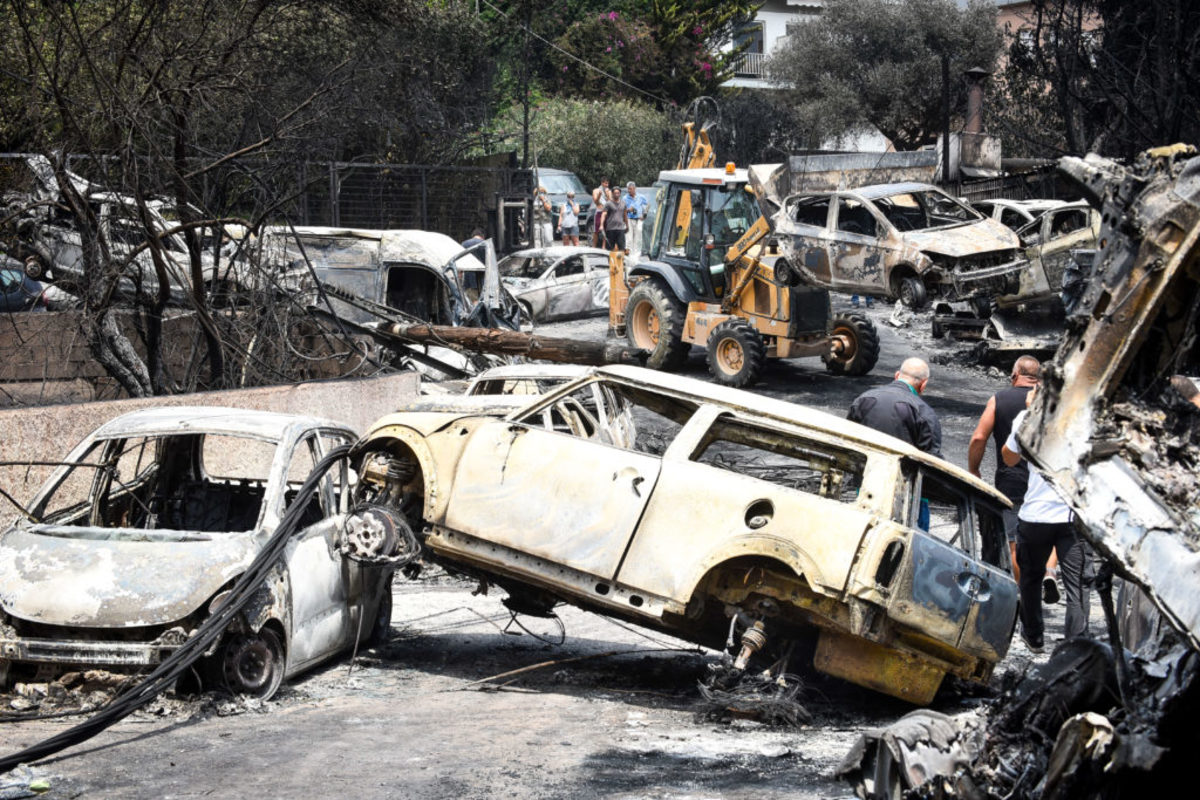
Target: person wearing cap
pixel 568 220
pixel 636 205
pixel 543 236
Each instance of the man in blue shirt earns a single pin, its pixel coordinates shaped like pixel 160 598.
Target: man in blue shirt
pixel 636 203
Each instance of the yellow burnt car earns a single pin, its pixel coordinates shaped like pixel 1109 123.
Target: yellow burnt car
pixel 730 516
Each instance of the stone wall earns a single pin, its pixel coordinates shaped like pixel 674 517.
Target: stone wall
pixel 47 433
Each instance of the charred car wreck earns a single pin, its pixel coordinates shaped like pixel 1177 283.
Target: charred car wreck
pixel 1121 445
pixel 729 517
pixel 905 241
pixel 137 539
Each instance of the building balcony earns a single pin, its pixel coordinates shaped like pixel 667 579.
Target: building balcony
pixel 750 65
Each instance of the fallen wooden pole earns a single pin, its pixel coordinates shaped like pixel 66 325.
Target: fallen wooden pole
pixel 518 343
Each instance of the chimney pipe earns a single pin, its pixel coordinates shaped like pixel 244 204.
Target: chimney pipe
pixel 975 78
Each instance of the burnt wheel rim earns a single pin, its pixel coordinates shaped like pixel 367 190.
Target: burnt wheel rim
pixel 646 324
pixel 730 356
pixel 250 664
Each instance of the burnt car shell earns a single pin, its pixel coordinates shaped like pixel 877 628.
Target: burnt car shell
pixel 871 239
pixel 121 575
pixel 692 523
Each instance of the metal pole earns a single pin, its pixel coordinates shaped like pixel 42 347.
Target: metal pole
pixel 945 119
pixel 525 86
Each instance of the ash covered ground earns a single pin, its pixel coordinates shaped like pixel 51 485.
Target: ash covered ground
pixel 612 712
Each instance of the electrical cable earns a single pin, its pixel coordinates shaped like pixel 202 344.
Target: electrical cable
pixel 172 667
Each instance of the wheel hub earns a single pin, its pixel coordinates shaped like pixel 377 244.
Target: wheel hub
pixel 248 664
pixel 730 356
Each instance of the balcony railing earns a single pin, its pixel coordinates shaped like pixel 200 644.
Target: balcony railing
pixel 750 65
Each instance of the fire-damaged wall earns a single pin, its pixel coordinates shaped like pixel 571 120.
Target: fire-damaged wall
pixel 47 433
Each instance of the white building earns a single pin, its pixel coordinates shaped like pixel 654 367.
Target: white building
pixel 774 21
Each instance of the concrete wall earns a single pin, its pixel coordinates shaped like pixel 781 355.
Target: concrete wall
pixel 47 433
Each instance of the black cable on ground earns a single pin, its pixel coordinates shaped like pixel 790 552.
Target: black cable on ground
pixel 165 675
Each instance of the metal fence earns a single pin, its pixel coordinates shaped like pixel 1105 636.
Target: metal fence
pixel 449 199
pixel 1039 184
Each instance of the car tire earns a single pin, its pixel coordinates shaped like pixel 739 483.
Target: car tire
pixel 654 322
pixel 253 664
pixel 862 350
pixel 736 353
pixel 784 274
pixel 912 292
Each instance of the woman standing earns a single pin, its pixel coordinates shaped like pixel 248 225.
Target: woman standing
pixel 568 221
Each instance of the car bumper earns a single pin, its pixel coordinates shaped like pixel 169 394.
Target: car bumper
pixel 967 282
pixel 100 654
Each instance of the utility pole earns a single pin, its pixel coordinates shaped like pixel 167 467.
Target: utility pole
pixel 525 86
pixel 945 119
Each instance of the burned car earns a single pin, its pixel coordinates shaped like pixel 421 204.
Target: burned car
pixel 728 514
pixel 1049 241
pixel 1014 214
pixel 138 537
pixel 553 283
pixel 906 241
pixel 52 244
pixel 421 274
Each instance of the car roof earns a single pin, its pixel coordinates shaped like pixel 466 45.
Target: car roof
pixel 519 371
pixel 558 251
pixel 737 399
pixel 884 189
pixel 210 419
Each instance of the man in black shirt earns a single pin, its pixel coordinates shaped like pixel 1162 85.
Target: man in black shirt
pixel 996 422
pixel 898 410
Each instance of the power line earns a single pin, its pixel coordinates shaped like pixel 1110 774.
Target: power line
pixel 574 57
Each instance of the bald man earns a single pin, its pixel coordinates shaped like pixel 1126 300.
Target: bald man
pixel 898 410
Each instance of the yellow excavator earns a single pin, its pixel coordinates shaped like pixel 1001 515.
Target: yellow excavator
pixel 711 276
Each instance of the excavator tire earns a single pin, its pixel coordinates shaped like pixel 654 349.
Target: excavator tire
pixel 860 357
pixel 736 353
pixel 654 322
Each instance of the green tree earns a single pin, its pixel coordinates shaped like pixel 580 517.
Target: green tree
pixel 879 62
pixel 623 139
pixel 661 48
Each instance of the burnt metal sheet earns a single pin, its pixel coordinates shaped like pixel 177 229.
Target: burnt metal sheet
pixel 1106 429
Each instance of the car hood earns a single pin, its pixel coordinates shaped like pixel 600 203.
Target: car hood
pixel 115 578
pixel 985 236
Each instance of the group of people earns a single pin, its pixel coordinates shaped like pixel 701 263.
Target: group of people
pixel 1039 527
pixel 616 221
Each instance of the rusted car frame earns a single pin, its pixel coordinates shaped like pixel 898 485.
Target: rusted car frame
pixel 138 537
pixel 906 241
pixel 729 505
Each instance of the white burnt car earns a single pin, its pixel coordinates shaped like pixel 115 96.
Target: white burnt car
pixel 140 535
pixel 554 283
pixel 728 512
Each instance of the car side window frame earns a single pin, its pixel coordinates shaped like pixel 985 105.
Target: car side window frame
pixel 964 541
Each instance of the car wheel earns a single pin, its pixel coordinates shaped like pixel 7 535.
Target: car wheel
pixel 784 274
pixel 736 353
pixel 654 322
pixel 253 663
pixel 912 293
pixel 860 345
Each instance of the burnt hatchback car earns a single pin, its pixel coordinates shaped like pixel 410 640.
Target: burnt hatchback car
pixel 728 513
pixel 905 241
pixel 138 537
pixel 553 283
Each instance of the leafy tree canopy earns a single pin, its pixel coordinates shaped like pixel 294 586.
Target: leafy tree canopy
pixel 880 62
